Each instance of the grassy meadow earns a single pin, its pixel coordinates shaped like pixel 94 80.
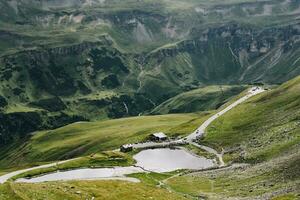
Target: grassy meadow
pixel 262 133
pixel 264 127
pixel 206 98
pixel 281 175
pixel 85 138
pixel 78 190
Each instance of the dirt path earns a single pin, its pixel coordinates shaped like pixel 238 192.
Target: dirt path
pixel 211 150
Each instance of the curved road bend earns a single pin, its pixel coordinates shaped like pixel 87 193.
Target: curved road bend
pixel 198 133
pixel 201 130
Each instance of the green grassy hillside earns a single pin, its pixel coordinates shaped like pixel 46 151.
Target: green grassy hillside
pixel 263 133
pixel 277 179
pixel 90 137
pixel 60 57
pixel 264 127
pixel 108 190
pixel 206 98
pixel 65 61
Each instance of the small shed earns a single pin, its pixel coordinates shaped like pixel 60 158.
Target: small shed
pixel 158 137
pixel 126 148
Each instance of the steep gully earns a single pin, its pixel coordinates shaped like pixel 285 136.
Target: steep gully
pixel 198 133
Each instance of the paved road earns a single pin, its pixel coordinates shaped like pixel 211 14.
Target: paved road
pixel 6 177
pixel 189 139
pixel 201 130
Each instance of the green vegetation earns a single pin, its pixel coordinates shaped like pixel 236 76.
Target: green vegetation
pixel 260 129
pixel 153 179
pixel 83 61
pixel 274 156
pixel 207 98
pixel 85 138
pixel 263 131
pixel 286 197
pixel 57 58
pixel 108 190
pixel 281 174
pixel 98 160
pixel 199 152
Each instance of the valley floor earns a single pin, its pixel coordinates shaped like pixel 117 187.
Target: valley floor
pixel 258 176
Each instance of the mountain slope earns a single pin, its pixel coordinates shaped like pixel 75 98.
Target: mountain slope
pixel 262 128
pixel 259 137
pixel 68 61
pixel 85 138
pixel 263 134
pixel 206 98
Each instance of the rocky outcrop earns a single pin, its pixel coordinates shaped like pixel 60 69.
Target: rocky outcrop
pixel 255 51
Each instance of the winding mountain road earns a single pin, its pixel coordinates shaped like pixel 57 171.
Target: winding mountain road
pixel 201 130
pixel 189 139
pixel 198 133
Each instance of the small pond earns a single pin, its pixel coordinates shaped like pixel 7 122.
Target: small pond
pixel 166 160
pixel 156 160
pixel 87 174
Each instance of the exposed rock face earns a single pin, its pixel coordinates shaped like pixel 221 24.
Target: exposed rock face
pixel 59 55
pixel 230 53
pixel 254 54
pixel 51 70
